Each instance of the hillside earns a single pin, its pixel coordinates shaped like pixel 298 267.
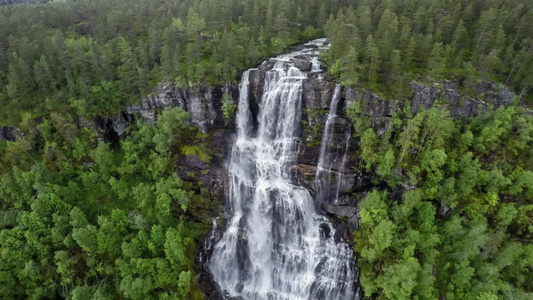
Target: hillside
pixel 203 149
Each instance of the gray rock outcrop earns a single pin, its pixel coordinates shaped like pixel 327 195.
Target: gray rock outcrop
pixel 447 94
pixel 203 103
pixel 443 94
pixel 348 216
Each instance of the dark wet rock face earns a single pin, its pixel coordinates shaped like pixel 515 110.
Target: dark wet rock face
pixel 442 94
pixel 348 216
pixel 317 92
pixel 339 210
pixel 302 63
pixel 10 133
pixel 211 175
pixel 379 109
pixel 203 103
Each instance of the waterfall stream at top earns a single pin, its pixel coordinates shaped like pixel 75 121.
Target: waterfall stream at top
pixel 325 161
pixel 276 245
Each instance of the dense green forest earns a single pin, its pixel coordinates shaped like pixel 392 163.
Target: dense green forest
pixel 83 218
pixel 93 57
pixel 464 226
pixel 385 44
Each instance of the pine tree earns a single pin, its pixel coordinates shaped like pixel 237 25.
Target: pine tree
pixel 20 84
pixel 349 73
pixel 128 70
pixel 459 41
pixel 373 59
pixel 364 19
pixel 436 61
pixel 168 65
pixel 43 77
pixel 397 77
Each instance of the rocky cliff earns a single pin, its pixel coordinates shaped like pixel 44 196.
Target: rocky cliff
pixel 318 89
pixel 317 94
pixel 203 103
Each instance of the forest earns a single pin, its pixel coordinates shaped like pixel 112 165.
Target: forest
pixel 384 44
pixel 463 227
pixel 94 57
pixel 82 217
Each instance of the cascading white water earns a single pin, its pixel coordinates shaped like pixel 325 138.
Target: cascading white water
pixel 328 130
pixel 276 246
pixel 347 138
pixel 325 160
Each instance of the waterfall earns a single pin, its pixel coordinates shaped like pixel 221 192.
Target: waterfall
pixel 327 138
pixel 342 169
pixel 276 246
pixel 326 157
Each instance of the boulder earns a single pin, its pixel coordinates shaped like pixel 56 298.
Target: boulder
pixel 340 232
pixel 340 211
pixel 302 64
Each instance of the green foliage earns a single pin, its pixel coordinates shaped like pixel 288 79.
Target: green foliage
pixel 95 63
pixel 381 237
pixel 386 163
pixel 349 67
pixel 368 145
pixel 171 121
pixel 356 112
pixel 84 210
pixel 461 230
pixel 382 45
pixel 335 69
pixel 228 107
pixel 436 62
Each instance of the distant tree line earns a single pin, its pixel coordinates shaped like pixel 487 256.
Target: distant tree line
pixel 93 57
pixel 385 44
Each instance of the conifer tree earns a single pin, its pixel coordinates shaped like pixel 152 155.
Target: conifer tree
pixel 373 59
pixel 436 61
